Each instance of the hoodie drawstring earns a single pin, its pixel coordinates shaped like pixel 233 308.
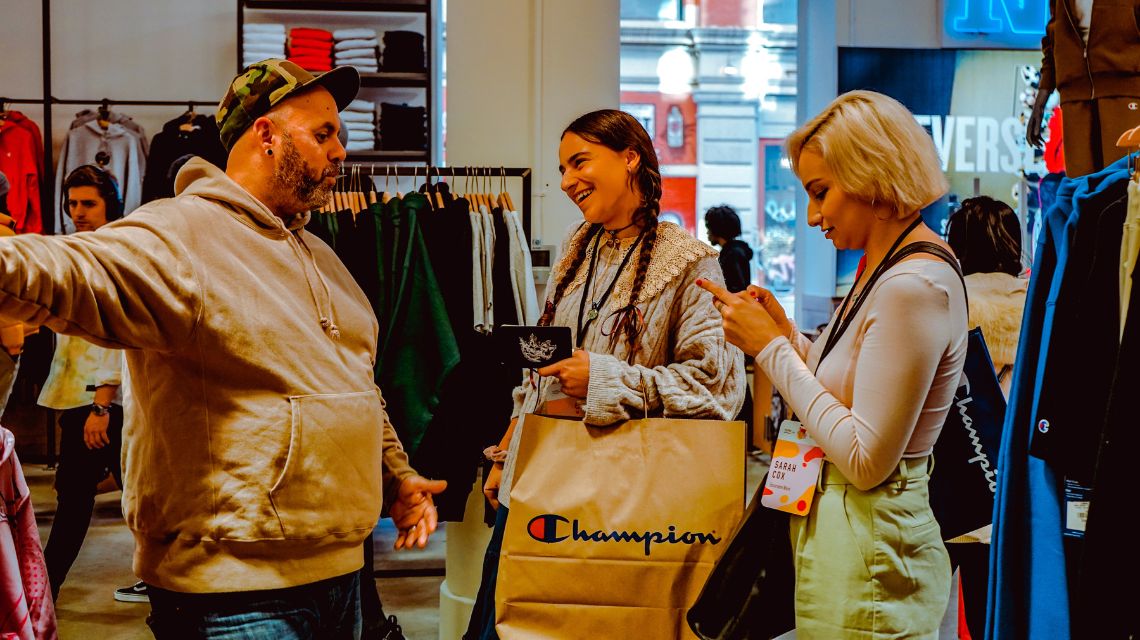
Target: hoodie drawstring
pixel 326 319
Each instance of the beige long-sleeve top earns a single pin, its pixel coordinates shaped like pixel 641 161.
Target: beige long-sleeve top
pixel 883 392
pixel 684 367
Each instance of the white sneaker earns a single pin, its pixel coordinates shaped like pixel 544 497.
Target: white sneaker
pixel 134 593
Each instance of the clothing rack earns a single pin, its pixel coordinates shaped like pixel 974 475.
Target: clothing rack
pixel 453 173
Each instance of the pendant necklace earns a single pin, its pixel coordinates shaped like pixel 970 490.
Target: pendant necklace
pixel 586 318
pixel 613 241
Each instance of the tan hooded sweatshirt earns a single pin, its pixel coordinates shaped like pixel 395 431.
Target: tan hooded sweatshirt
pixel 258 447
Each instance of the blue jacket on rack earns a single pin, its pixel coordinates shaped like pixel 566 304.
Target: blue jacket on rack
pixel 1028 591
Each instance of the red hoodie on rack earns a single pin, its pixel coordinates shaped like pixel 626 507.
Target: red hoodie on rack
pixel 21 160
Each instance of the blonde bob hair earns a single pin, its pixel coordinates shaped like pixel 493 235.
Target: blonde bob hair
pixel 876 151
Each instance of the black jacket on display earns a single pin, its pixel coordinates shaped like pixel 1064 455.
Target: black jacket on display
pixel 172 146
pixel 1102 609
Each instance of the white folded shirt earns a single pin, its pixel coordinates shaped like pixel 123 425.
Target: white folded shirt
pixel 356 53
pixel 358 116
pixel 252 27
pixel 356 43
pixel 360 136
pixel 355 145
pixel 354 34
pixel 269 49
pixel 256 58
pixel 361 105
pixel 357 61
pixel 359 126
pixel 264 38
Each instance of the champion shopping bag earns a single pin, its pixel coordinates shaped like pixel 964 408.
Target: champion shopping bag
pixel 612 531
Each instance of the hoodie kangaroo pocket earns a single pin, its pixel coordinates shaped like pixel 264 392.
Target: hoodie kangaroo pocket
pixel 331 483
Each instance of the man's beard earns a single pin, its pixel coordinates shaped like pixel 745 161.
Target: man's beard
pixel 294 175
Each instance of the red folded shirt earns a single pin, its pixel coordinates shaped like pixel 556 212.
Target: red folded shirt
pixel 312 64
pixel 309 51
pixel 310 44
pixel 315 34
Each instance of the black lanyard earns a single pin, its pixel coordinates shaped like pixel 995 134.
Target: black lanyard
pixel 584 320
pixel 844 319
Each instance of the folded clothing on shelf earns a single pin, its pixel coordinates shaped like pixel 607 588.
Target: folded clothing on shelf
pixel 257 47
pixel 258 27
pixel 356 43
pixel 354 33
pixel 351 116
pixel 356 62
pixel 356 53
pixel 311 34
pixel 312 64
pixel 268 39
pixel 300 50
pixel 403 128
pixel 404 52
pixel 311 49
pixel 354 145
pixel 359 126
pixel 309 43
pixel 361 104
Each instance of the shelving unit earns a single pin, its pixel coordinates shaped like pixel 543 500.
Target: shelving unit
pixel 376 87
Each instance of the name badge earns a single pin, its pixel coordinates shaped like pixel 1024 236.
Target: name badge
pixel 792 477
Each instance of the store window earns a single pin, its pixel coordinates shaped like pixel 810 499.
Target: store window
pixel 651 10
pixel 716 94
pixel 777 259
pixel 646 114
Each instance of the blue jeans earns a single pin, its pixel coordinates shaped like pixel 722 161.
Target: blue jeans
pixel 326 609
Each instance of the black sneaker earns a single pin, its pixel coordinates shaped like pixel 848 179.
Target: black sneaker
pixel 134 593
pixel 392 630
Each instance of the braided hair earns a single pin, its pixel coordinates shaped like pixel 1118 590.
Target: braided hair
pixel 619 131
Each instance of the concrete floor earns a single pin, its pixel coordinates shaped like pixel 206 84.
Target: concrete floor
pixel 87 608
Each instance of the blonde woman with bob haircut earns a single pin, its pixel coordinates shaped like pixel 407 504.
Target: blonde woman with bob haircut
pixel 875 388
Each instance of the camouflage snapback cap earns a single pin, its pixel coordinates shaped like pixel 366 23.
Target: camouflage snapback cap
pixel 264 84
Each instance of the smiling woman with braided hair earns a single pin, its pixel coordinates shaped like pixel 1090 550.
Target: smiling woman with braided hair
pixel 623 285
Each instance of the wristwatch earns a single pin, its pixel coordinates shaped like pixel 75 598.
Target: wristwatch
pixel 100 409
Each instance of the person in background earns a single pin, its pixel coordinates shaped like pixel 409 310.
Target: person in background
pixel 646 335
pixel 83 383
pixel 985 234
pixel 874 390
pixel 723 228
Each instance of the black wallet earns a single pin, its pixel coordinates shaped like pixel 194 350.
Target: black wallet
pixel 532 347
